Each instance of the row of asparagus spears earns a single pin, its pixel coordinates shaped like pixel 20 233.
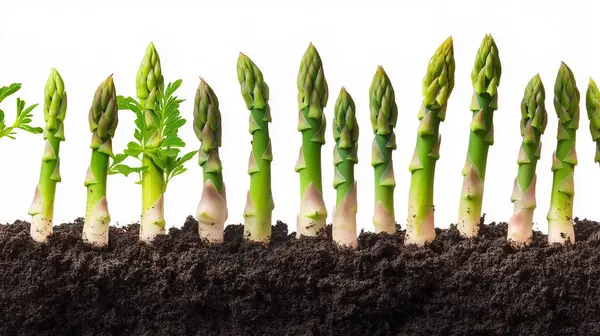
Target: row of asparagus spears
pixel 158 157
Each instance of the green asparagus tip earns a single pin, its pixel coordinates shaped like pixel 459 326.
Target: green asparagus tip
pixel 438 83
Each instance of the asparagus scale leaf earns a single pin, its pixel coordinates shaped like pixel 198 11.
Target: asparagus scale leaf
pixel 259 200
pixel 212 209
pixel 564 159
pixel 345 134
pixel 158 121
pixel 24 114
pixel 55 110
pixel 313 94
pixel 384 114
pixel 486 79
pixel 437 87
pixel 103 119
pixel 534 119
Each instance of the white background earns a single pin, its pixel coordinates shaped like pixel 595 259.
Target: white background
pixel 87 41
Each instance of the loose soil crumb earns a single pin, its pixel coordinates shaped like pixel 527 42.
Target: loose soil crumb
pixel 181 286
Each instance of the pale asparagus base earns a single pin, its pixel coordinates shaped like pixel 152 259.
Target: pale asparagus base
pixel 383 221
pixel 212 213
pixel 95 227
pixel 560 231
pixel 253 231
pixel 41 228
pixel 469 211
pixel 41 223
pixel 419 232
pixel 153 221
pixel 344 220
pixel 520 231
pixel 313 214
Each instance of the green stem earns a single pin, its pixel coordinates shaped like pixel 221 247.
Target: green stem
pixel 312 155
pixel 97 190
pixel 47 182
pixel 384 193
pixel 153 183
pixel 346 168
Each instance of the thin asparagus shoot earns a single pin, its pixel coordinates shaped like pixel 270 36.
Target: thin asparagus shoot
pixel 212 209
pixel 437 87
pixel 384 114
pixel 55 110
pixel 485 78
pixel 564 159
pixel 103 119
pixel 345 135
pixel 313 94
pixel 259 200
pixel 534 119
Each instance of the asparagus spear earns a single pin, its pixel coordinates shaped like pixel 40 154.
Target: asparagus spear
pixel 384 114
pixel 259 204
pixel 593 110
pixel 345 135
pixel 158 121
pixel 564 160
pixel 486 79
pixel 437 87
pixel 24 115
pixel 533 124
pixel 212 209
pixel 103 119
pixel 312 98
pixel 55 110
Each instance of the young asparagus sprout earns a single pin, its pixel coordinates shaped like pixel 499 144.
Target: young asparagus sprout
pixel 437 87
pixel 533 124
pixel 55 110
pixel 384 114
pixel 23 118
pixel 212 209
pixel 158 121
pixel 312 98
pixel 486 79
pixel 564 159
pixel 593 110
pixel 345 135
pixel 103 118
pixel 259 202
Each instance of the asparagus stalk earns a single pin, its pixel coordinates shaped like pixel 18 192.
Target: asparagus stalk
pixel 312 98
pixel 158 121
pixel 259 203
pixel 437 87
pixel 103 120
pixel 55 109
pixel 212 209
pixel 533 124
pixel 564 160
pixel 345 134
pixel 593 110
pixel 24 114
pixel 384 114
pixel 486 79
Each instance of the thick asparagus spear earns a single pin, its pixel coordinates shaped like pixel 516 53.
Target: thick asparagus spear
pixel 212 209
pixel 259 204
pixel 55 110
pixel 593 110
pixel 533 124
pixel 564 160
pixel 312 98
pixel 384 114
pixel 437 87
pixel 345 135
pixel 486 79
pixel 103 120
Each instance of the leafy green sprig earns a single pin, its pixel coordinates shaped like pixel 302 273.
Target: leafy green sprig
pixel 24 115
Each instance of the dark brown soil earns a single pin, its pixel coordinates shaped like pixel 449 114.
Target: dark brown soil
pixel 181 286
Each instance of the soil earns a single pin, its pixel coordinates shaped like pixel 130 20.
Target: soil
pixel 181 286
